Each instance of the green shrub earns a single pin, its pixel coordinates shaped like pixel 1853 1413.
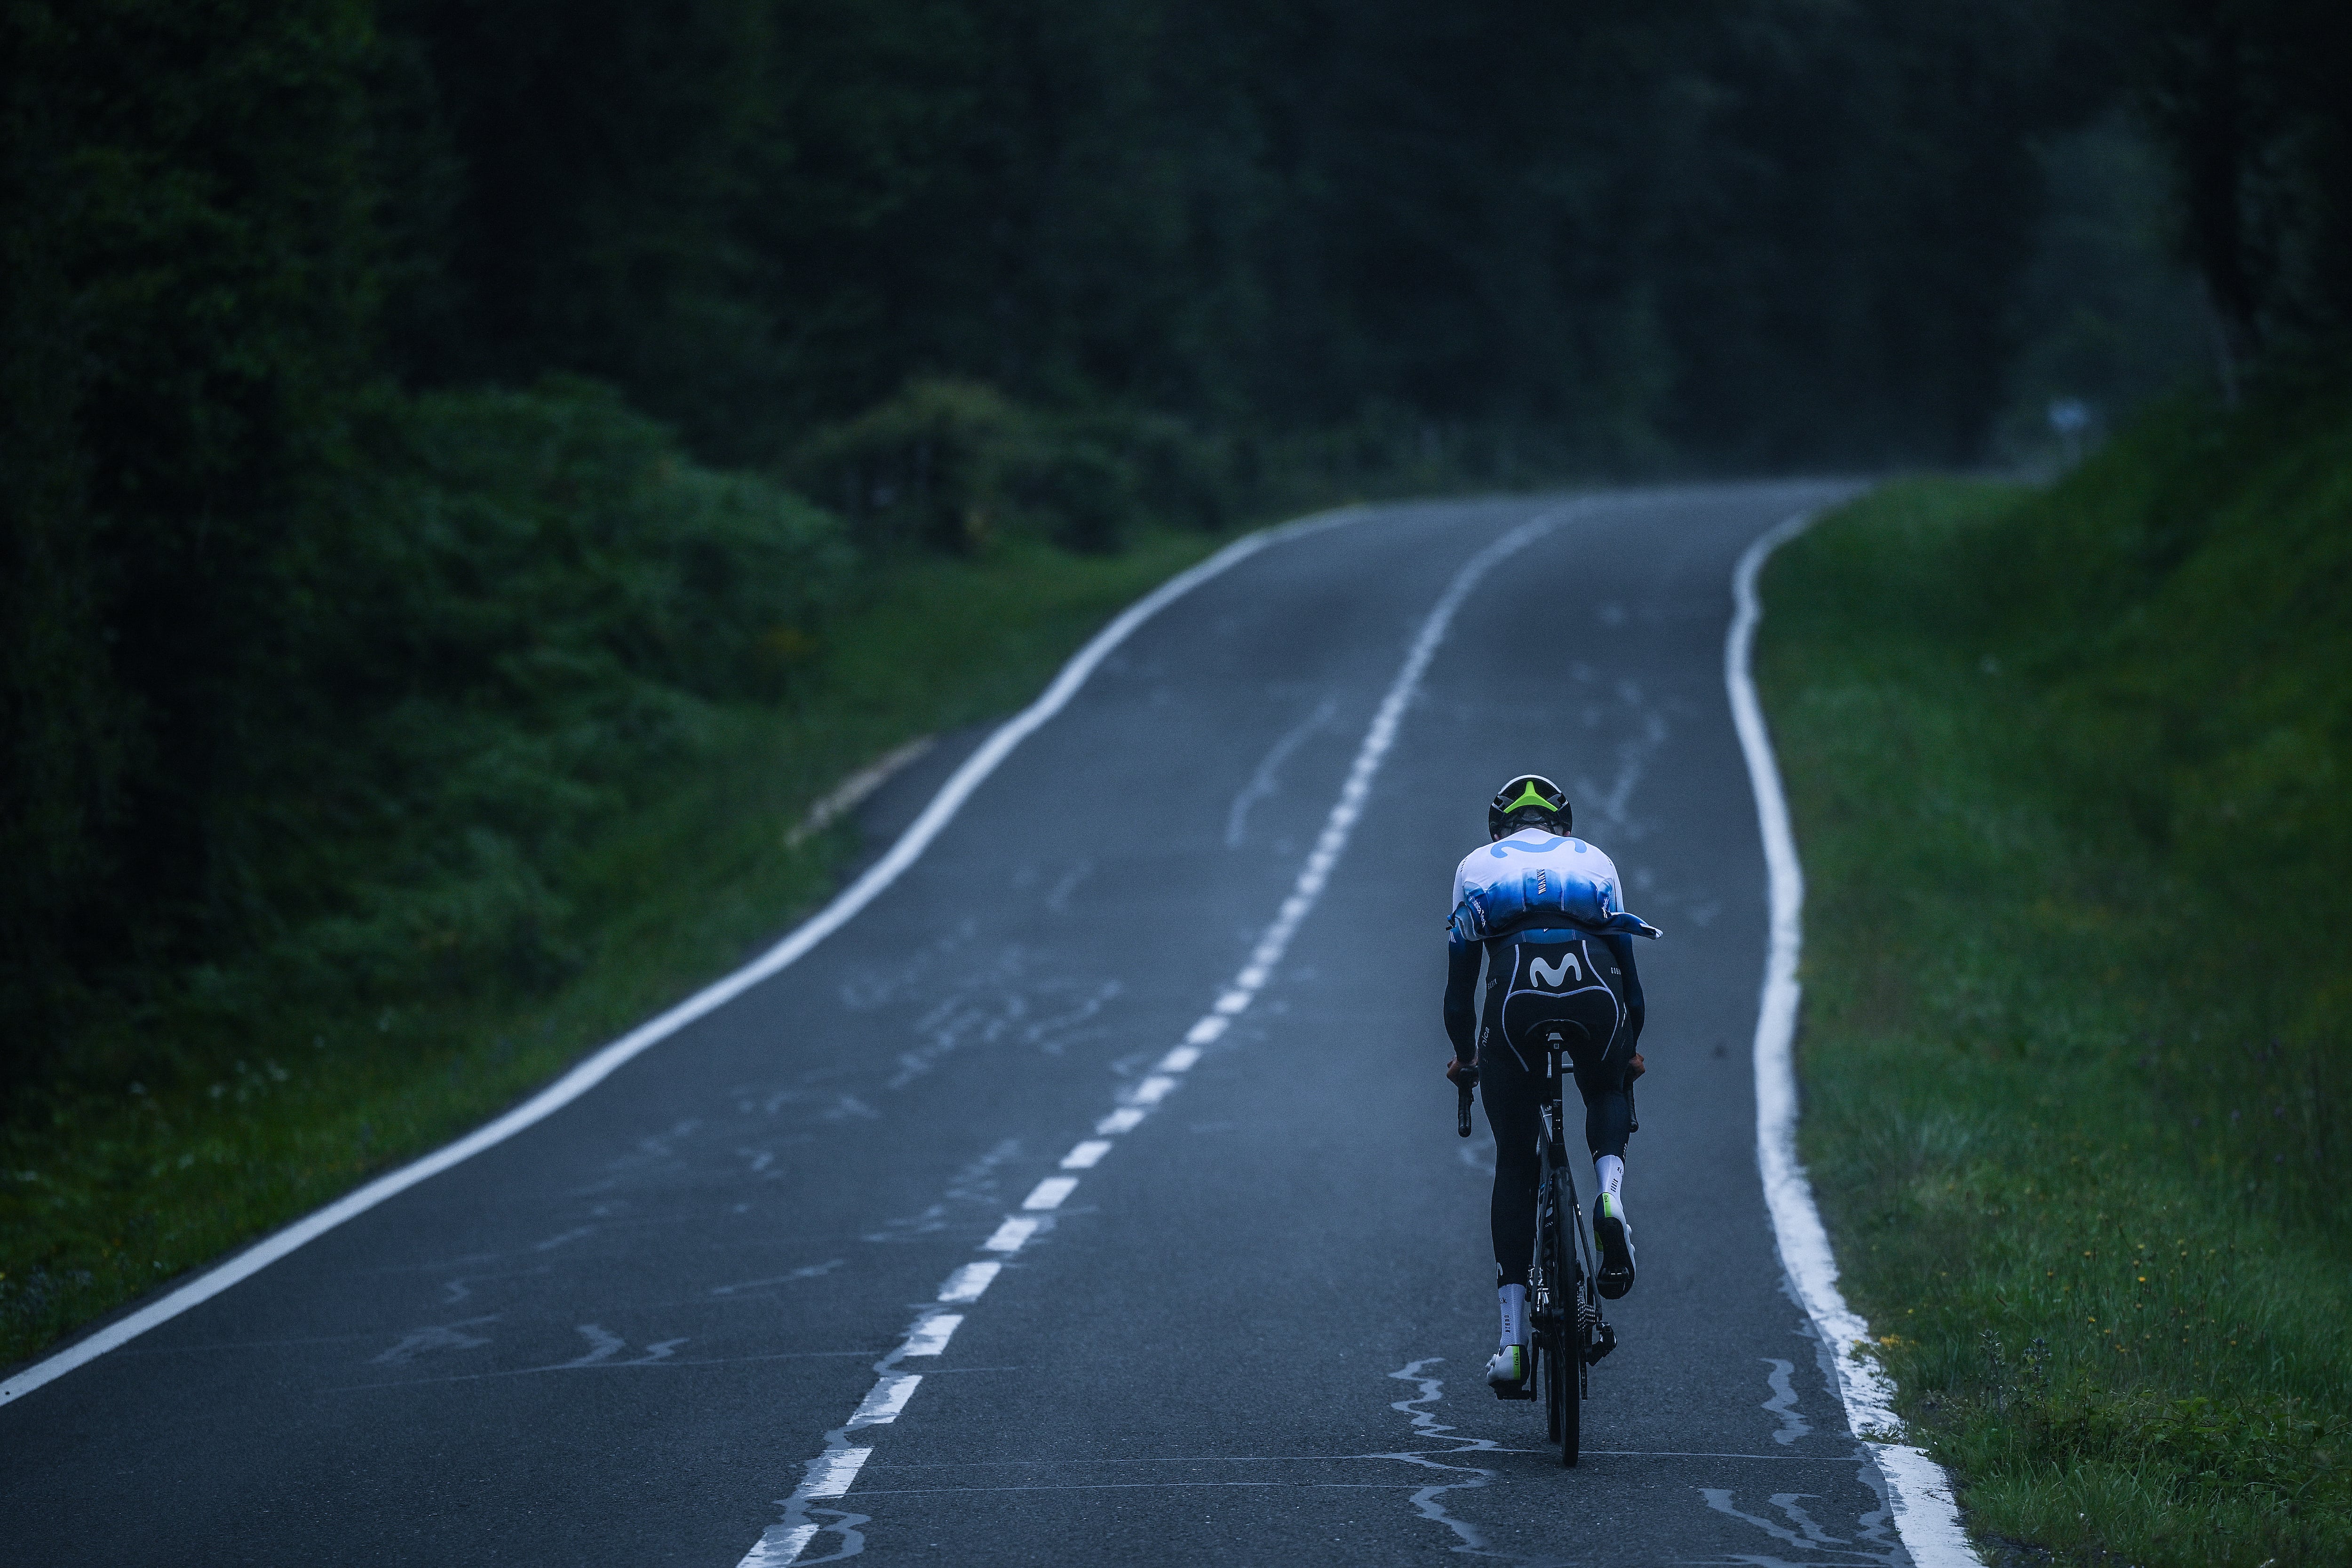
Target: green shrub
pixel 951 466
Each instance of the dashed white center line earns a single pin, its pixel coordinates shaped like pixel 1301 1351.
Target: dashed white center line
pixel 1011 1235
pixel 889 1396
pixel 967 1282
pixel 931 1336
pixel 1151 1090
pixel 1049 1193
pixel 830 1474
pixel 833 1473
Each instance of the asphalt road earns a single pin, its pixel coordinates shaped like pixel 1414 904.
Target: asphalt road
pixel 1252 1332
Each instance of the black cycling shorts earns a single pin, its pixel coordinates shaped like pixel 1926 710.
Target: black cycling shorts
pixel 1540 987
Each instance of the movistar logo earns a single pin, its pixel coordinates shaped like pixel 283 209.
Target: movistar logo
pixel 1556 974
pixel 1528 797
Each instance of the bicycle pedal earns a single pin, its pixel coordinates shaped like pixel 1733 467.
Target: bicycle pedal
pixel 1504 1391
pixel 1601 1346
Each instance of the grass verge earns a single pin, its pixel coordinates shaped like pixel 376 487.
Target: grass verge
pixel 2067 774
pixel 258 1114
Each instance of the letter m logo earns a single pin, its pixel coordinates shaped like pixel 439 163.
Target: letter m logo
pixel 1556 974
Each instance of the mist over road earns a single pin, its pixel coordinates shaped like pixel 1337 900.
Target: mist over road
pixel 1249 1330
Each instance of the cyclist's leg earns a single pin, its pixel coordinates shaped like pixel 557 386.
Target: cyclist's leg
pixel 1602 1059
pixel 1515 1113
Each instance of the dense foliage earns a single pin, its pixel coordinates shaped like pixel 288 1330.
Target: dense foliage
pixel 959 269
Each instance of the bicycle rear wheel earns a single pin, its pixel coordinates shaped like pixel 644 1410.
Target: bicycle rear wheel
pixel 1563 1368
pixel 1543 1321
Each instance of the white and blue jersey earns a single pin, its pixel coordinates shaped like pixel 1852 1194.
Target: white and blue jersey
pixel 1535 880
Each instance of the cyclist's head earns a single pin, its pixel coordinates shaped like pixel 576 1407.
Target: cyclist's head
pixel 1530 800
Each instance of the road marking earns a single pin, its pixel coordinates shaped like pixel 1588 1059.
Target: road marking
pixel 882 1406
pixel 931 1335
pixel 1086 1154
pixel 604 1064
pixel 1919 1492
pixel 1049 1193
pixel 1272 943
pixel 1151 1090
pixel 1011 1235
pixel 831 1472
pixel 1206 1031
pixel 967 1282
pixel 785 1547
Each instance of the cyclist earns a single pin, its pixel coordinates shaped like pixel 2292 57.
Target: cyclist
pixel 1544 912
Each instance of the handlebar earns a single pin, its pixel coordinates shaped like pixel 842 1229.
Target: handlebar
pixel 1461 1119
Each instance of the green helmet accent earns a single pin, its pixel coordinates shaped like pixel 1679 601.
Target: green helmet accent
pixel 1530 796
pixel 1530 800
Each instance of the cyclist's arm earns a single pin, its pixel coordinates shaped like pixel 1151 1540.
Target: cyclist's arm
pixel 1462 996
pixel 1622 948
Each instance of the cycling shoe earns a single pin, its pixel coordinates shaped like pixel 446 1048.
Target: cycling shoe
pixel 1615 1236
pixel 1506 1374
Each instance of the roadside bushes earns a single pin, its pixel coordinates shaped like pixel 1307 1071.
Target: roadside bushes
pixel 951 466
pixel 531 603
pixel 508 617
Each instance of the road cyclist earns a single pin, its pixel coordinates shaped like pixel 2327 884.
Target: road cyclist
pixel 1543 913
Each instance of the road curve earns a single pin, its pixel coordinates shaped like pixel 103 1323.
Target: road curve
pixel 698 1313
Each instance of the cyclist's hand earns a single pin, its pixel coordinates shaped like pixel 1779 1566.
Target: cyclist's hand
pixel 1461 1074
pixel 1634 1068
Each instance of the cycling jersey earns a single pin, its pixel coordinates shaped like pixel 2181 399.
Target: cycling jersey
pixel 1536 878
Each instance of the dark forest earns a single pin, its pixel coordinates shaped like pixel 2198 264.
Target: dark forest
pixel 302 293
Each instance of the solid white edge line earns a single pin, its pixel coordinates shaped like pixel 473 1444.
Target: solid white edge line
pixel 846 904
pixel 1919 1493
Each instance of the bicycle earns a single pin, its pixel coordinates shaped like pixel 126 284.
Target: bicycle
pixel 1567 1332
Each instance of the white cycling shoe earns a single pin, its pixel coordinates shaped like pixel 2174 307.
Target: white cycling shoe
pixel 1506 1374
pixel 1614 1233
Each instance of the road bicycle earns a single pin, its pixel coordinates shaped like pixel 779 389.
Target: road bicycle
pixel 1566 1330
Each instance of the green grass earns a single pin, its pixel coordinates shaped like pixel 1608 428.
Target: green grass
pixel 249 1108
pixel 2067 769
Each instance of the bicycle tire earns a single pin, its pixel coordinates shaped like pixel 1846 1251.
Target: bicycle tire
pixel 1572 1337
pixel 1543 1341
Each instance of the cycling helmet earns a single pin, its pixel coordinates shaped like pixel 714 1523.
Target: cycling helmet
pixel 1530 800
